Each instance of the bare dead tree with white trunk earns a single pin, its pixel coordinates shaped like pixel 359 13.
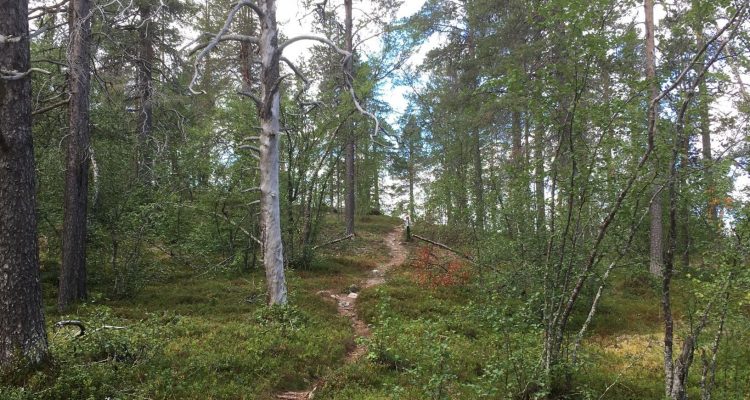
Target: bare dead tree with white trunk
pixel 267 101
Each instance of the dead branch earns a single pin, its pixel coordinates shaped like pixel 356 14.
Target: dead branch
pixel 333 241
pixel 9 39
pixel 76 323
pixel 294 69
pixel 252 97
pixel 444 247
pixel 217 38
pixel 51 107
pixel 316 38
pixel 13 75
pixel 225 38
pixel 740 11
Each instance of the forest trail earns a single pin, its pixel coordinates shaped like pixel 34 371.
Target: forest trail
pixel 346 304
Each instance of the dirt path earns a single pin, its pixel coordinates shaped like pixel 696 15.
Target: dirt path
pixel 346 304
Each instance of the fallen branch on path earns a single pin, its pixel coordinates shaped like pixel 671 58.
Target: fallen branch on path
pixel 333 241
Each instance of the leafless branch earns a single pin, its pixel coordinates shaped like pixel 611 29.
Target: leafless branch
pixel 248 147
pixel 14 75
pixel 51 107
pixel 225 38
pixel 333 241
pixel 445 247
pixel 252 96
pixel 76 323
pixel 218 38
pixel 316 38
pixel 740 12
pixel 9 39
pixel 295 69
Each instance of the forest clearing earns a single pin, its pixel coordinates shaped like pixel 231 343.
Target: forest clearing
pixel 374 199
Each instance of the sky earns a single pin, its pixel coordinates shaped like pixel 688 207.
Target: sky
pixel 291 18
pixel 292 21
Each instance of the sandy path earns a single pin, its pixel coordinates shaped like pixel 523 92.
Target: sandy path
pixel 346 304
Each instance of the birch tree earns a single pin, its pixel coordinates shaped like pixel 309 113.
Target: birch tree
pixel 656 230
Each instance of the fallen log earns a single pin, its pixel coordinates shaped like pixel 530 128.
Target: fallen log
pixel 333 241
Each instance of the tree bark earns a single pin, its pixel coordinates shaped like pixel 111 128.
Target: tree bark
pixel 22 333
pixel 273 251
pixel 539 181
pixel 656 228
pixel 73 270
pixel 349 201
pixel 478 181
pixel 411 174
pixel 704 116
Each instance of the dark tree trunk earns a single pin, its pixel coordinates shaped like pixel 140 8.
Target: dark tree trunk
pixel 22 334
pixel 145 93
pixel 350 147
pixel 246 52
pixel 517 197
pixel 73 271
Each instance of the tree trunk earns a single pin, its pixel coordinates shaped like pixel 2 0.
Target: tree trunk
pixel 705 129
pixel 376 183
pixel 517 197
pixel 655 210
pixel 73 271
pixel 685 240
pixel 410 174
pixel 478 181
pixel 273 251
pixel 22 334
pixel 145 94
pixel 349 202
pixel 539 181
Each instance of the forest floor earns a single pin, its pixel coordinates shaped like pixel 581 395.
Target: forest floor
pixel 426 326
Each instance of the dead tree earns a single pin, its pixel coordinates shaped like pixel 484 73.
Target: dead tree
pixel 267 101
pixel 350 198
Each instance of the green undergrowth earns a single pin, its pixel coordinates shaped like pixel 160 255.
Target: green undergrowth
pixel 205 334
pixel 471 342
